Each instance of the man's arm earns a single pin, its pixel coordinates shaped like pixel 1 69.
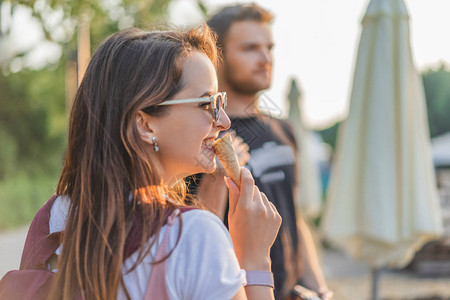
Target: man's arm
pixel 312 275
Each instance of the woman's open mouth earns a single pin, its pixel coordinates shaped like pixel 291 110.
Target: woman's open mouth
pixel 207 146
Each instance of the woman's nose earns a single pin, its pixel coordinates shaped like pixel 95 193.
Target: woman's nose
pixel 223 123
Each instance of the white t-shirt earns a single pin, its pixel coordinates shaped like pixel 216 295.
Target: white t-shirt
pixel 202 266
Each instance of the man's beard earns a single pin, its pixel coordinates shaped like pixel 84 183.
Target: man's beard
pixel 246 87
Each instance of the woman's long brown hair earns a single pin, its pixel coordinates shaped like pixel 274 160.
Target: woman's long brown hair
pixel 107 174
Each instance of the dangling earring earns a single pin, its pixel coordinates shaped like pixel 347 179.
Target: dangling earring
pixel 155 144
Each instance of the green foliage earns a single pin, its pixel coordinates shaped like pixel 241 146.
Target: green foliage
pixel 103 13
pixel 203 8
pixel 21 197
pixel 33 103
pixel 329 135
pixel 437 92
pixel 31 111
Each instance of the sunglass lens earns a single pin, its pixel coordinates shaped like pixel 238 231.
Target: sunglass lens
pixel 220 102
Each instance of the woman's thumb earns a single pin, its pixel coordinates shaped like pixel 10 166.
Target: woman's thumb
pixel 233 193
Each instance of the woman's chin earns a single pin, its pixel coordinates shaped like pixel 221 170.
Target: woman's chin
pixel 205 162
pixel 211 169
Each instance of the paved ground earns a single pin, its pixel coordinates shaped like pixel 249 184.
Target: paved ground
pixel 352 281
pixel 11 245
pixel 348 279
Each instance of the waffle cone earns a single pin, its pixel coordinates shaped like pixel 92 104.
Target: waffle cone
pixel 225 152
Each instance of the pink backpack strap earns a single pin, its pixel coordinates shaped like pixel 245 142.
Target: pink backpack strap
pixel 156 287
pixel 40 244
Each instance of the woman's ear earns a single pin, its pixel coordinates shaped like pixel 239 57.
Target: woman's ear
pixel 144 128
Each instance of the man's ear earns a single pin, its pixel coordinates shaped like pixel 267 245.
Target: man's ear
pixel 144 128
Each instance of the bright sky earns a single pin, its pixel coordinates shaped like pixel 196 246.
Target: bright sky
pixel 316 42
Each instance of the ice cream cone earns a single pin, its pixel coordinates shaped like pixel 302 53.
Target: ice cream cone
pixel 225 152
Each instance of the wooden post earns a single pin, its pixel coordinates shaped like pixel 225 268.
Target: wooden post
pixel 83 44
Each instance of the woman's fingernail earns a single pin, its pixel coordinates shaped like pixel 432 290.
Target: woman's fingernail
pixel 226 181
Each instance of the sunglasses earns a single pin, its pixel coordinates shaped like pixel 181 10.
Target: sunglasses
pixel 216 102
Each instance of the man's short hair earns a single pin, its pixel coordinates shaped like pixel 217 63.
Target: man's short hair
pixel 221 21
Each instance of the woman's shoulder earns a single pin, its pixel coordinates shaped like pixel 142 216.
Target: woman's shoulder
pixel 203 222
pixel 201 214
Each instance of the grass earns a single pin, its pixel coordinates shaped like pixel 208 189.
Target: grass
pixel 21 197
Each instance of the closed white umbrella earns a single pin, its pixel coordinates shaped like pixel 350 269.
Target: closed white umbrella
pixel 382 204
pixel 309 193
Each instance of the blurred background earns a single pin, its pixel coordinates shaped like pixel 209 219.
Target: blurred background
pixel 46 44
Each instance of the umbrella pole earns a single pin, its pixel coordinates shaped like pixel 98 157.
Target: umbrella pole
pixel 375 280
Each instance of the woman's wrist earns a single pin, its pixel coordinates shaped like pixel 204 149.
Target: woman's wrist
pixel 252 264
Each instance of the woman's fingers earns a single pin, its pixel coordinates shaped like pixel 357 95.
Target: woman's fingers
pixel 233 193
pixel 247 186
pixel 267 203
pixel 272 208
pixel 242 197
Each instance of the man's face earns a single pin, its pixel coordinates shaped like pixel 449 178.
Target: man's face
pixel 247 57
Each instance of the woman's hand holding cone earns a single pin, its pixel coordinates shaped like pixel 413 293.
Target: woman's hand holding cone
pixel 253 222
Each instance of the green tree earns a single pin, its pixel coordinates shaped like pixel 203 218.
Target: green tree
pixel 437 92
pixel 329 134
pixel 31 142
pixel 30 113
